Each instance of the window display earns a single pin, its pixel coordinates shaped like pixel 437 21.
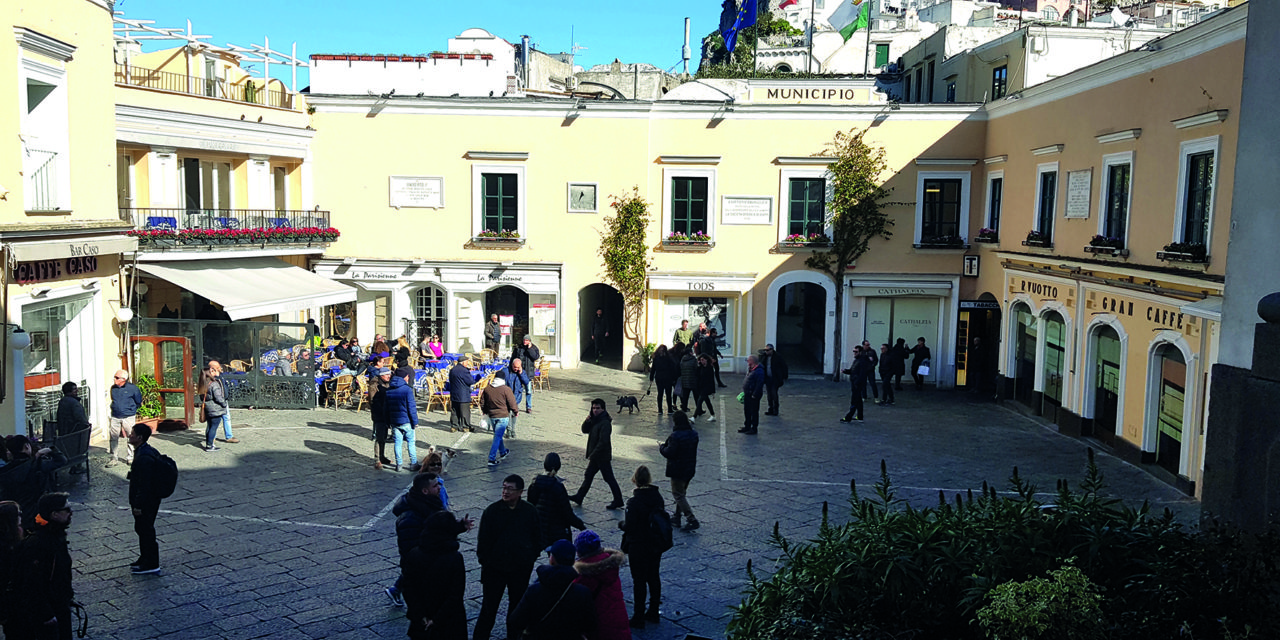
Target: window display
pixel 716 312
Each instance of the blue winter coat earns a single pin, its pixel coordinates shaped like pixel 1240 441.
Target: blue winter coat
pixel 401 407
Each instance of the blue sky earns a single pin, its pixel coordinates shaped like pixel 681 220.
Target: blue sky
pixel 650 32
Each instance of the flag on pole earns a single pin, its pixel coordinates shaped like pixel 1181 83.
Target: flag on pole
pixel 787 3
pixel 743 18
pixel 851 16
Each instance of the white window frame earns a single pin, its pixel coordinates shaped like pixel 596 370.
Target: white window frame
pixel 51 138
pixel 1041 169
pixel 986 204
pixel 477 196
pixel 965 196
pixel 1187 149
pixel 668 175
pixel 261 191
pixel 1104 197
pixel 784 196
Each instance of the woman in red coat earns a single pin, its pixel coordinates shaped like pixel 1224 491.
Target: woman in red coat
pixel 598 571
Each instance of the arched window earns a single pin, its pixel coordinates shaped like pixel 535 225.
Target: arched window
pixel 1050 13
pixel 429 312
pixel 783 68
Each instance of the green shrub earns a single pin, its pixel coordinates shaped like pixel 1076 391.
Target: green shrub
pixel 1065 606
pixel 151 406
pixel 894 571
pixel 646 354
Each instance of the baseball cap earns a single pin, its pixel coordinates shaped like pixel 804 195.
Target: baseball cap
pixel 562 551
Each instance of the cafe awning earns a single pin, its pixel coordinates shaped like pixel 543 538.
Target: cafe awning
pixel 251 287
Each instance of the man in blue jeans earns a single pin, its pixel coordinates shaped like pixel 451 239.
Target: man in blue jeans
pixel 498 403
pixel 528 354
pixel 521 385
pixel 402 414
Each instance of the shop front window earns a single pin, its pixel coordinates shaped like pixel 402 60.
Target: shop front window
pixel 1054 363
pixel 543 324
pixel 61 335
pixel 908 318
pixel 1025 355
pixel 716 312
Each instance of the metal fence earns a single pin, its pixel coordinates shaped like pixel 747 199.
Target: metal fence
pixel 265 365
pixel 248 90
pixel 178 218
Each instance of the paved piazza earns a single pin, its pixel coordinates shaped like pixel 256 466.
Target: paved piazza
pixel 289 534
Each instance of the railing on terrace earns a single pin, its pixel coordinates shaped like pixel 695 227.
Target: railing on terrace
pixel 173 227
pixel 250 90
pixel 41 180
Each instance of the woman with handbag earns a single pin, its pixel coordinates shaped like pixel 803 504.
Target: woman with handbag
pixel 214 409
pixel 919 357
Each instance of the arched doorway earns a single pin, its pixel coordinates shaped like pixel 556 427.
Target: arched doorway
pixel 978 343
pixel 1024 354
pixel 609 302
pixel 1170 372
pixel 1107 360
pixel 508 300
pixel 801 326
pixel 1055 364
pixel 430 314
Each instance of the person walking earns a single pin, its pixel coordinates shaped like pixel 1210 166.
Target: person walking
pixel 214 396
pixel 665 372
pixel 126 399
pixel 599 429
pixel 492 333
pixel 144 499
pixel 548 495
pixel 871 379
pixel 436 582
pixel 681 452
pixel 378 413
pixel 599 331
pixel 499 405
pixel 598 570
pixel 704 387
pixel 507 547
pixel 857 373
pixel 554 607
pixel 642 547
pixel 775 375
pixel 528 354
pixel 402 416
pixel 460 381
pixel 412 510
pixel 42 574
pixel 752 390
pixel 919 356
pixel 688 377
pixel 899 354
pixel 886 375
pixel 518 381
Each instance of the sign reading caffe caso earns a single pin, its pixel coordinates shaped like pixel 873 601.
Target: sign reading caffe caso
pixel 47 270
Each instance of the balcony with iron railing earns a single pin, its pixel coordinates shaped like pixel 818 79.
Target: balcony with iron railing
pixel 189 229
pixel 250 90
pixel 41 180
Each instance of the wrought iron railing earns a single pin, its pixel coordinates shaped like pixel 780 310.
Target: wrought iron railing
pixel 248 90
pixel 41 180
pixel 174 227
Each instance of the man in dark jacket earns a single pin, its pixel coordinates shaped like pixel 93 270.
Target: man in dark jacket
pixel 548 495
pixel 144 500
pixel 436 582
pixel 554 607
pixel 460 381
pixel 599 331
pixel 28 475
pixel 492 332
pixel 42 573
pixel 665 371
pixel 899 354
pixel 886 375
pixel 599 429
pixel 528 354
pixel 707 346
pixel 681 452
pixel 919 355
pixel 507 546
pixel 857 382
pixel 71 416
pixel 775 375
pixel 378 412
pixel 402 415
pixel 412 510
pixel 688 377
pixel 126 399
pixel 752 389
pixel 867 350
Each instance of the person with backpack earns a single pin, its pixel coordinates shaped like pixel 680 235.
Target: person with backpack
pixel 646 534
pixel 151 479
pixel 548 495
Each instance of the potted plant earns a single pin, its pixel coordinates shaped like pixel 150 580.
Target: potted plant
pixel 942 242
pixel 489 235
pixel 152 409
pixel 802 240
pixel 1107 244
pixel 987 235
pixel 679 238
pixel 1037 239
pixel 1184 252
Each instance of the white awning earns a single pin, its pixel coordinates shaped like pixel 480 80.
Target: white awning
pixel 1210 308
pixel 251 287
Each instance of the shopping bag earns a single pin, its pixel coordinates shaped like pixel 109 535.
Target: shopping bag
pixel 742 397
pixel 924 368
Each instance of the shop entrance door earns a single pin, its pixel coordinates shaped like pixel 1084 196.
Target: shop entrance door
pixel 1173 375
pixel 801 325
pixel 1055 362
pixel 1106 398
pixel 908 318
pixel 162 369
pixel 1024 365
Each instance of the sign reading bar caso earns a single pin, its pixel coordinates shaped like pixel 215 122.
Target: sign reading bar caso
pixel 76 248
pixel 417 191
pixel 1079 184
pixel 747 210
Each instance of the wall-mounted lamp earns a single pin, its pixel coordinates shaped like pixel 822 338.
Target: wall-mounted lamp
pixel 124 315
pixel 41 292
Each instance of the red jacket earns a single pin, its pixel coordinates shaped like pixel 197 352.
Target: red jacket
pixel 600 574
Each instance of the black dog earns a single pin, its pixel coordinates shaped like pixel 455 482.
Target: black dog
pixel 629 403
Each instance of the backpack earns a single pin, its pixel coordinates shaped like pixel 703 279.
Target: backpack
pixel 660 529
pixel 166 477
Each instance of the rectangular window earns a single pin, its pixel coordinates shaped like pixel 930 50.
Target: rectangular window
pixel 281 181
pixel 951 92
pixel 1116 211
pixel 882 55
pixel 999 82
pixel 689 205
pixel 1046 201
pixel 919 85
pixel 806 206
pixel 1198 195
pixel 930 83
pixel 995 194
pixel 906 88
pixel 941 213
pixel 500 209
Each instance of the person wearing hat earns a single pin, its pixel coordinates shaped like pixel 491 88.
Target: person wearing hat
pixel 42 573
pixel 554 606
pixel 507 547
pixel 460 382
pixel 528 354
pixel 548 495
pixel 402 415
pixel 598 570
pixel 378 412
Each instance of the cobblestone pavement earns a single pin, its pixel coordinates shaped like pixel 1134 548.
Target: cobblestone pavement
pixel 288 533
